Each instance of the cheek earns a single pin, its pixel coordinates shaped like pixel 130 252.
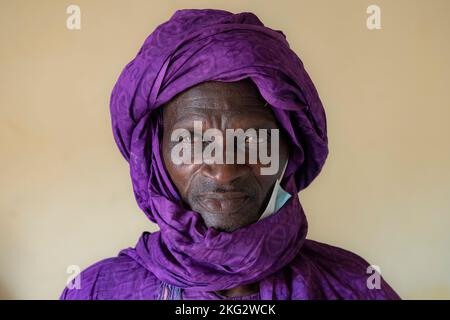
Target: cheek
pixel 179 174
pixel 265 182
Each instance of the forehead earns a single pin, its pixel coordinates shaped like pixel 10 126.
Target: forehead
pixel 219 98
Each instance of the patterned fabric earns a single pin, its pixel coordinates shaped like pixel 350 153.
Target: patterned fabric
pixel 185 259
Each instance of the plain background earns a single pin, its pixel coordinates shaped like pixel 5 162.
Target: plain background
pixel 384 193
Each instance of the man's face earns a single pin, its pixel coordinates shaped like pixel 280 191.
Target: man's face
pixel 227 196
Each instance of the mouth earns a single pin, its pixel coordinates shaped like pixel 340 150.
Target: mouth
pixel 223 202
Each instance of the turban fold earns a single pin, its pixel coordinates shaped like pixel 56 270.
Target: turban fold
pixel 195 46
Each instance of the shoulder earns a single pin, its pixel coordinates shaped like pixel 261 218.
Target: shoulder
pixel 115 278
pixel 344 274
pixel 341 259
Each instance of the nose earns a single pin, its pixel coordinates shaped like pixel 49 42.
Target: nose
pixel 224 174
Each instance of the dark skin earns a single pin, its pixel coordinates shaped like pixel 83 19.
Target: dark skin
pixel 227 196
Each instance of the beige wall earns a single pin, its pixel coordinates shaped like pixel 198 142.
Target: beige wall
pixel 65 193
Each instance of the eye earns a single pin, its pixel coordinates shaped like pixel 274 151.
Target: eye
pixel 185 139
pixel 250 139
pixel 265 137
pixel 190 138
pixel 207 141
pixel 253 140
pixel 261 139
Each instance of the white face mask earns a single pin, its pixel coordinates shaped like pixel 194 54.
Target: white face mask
pixel 278 198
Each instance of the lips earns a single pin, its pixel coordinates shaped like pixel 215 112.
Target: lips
pixel 223 202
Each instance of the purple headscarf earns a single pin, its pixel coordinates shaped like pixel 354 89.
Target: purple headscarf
pixel 195 46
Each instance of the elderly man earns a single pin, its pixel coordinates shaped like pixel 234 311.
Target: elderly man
pixel 228 229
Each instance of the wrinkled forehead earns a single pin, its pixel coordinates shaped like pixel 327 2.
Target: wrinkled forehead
pixel 238 100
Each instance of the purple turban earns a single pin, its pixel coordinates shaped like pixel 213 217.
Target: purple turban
pixel 185 256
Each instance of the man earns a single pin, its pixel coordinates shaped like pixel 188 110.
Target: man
pixel 229 229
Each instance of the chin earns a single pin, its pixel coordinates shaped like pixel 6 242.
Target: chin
pixel 225 225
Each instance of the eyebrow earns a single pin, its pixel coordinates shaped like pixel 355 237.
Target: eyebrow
pixel 252 123
pixel 244 108
pixel 189 117
pixel 250 100
pixel 246 97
